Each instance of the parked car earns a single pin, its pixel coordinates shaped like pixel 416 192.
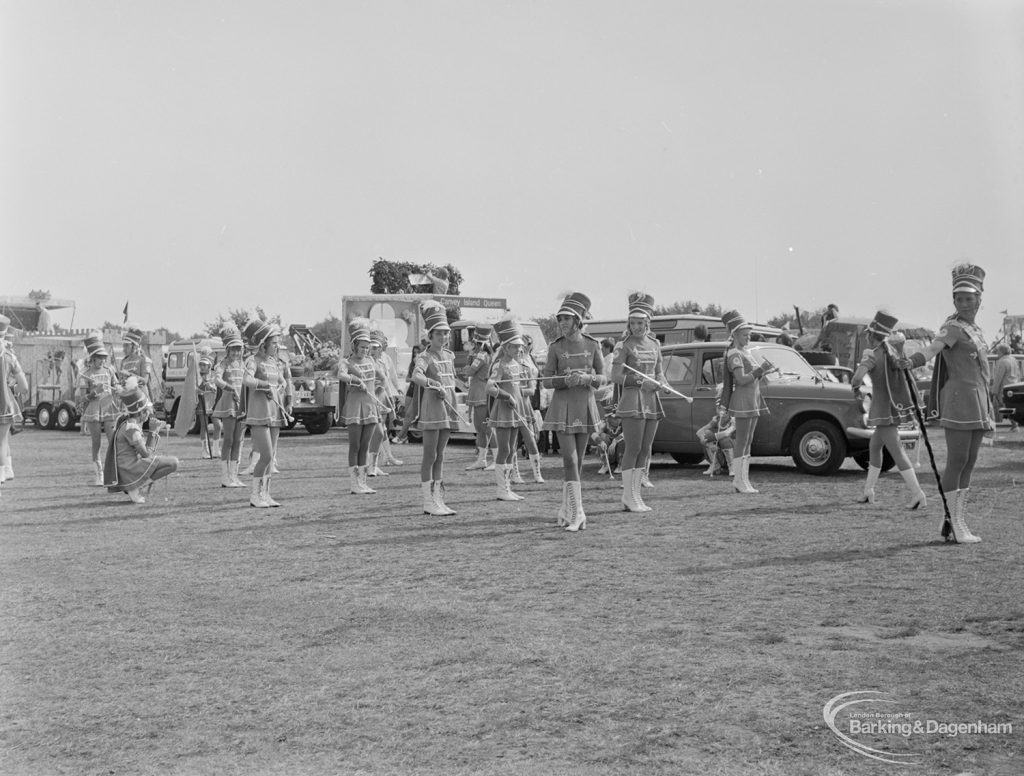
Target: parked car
pixel 1013 403
pixel 816 421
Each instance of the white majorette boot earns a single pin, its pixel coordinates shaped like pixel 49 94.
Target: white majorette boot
pixel 225 475
pixel 8 472
pixel 256 494
pixel 504 490
pixel 638 499
pixel 535 466
pixel 430 506
pixel 514 475
pixel 917 497
pixel 362 473
pixel 563 510
pixel 354 486
pixel 266 492
pixel 233 472
pixel 578 520
pixel 868 496
pixel 254 458
pixel 489 465
pixel 746 475
pixel 961 533
pixel 273 466
pixel 510 471
pixel 645 476
pixel 98 469
pixel 737 475
pixel 439 498
pixel 481 460
pixel 628 492
pixel 389 457
pixel 136 495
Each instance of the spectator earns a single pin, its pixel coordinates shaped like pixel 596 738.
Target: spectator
pixel 440 280
pixel 784 339
pixel 830 314
pixel 701 334
pixel 45 323
pixel 1004 372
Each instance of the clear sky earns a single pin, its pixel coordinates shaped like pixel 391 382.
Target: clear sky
pixel 198 155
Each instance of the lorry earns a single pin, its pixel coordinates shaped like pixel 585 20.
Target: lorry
pixel 52 363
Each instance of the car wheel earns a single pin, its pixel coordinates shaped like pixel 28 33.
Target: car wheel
pixel 864 460
pixel 818 447
pixel 64 419
pixel 687 459
pixel 318 424
pixel 44 415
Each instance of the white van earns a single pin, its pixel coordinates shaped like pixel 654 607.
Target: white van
pixel 676 328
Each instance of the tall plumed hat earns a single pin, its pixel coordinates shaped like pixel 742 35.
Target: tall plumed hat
pixel 377 337
pixel 133 334
pixel 509 331
pixel 968 278
pixel 133 399
pixel 359 330
pixel 734 321
pixel 576 304
pixel 482 332
pixel 230 336
pixel 434 315
pixel 94 344
pixel 257 332
pixel 641 305
pixel 882 324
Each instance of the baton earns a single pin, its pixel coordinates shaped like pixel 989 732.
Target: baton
pixel 947 525
pixel 673 391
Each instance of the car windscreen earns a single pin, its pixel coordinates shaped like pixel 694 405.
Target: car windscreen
pixel 789 363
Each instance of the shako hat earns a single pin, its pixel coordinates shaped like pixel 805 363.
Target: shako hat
pixel 378 337
pixel 434 315
pixel 482 332
pixel 576 304
pixel 359 330
pixel 641 305
pixel 133 334
pixel 133 399
pixel 968 278
pixel 257 332
pixel 230 336
pixel 509 331
pixel 94 344
pixel 882 324
pixel 734 321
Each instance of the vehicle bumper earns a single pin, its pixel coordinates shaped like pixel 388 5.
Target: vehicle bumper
pixel 906 434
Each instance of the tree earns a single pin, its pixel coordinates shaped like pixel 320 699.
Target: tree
pixel 392 277
pixel 549 325
pixel 809 319
pixel 239 318
pixel 330 329
pixel 689 307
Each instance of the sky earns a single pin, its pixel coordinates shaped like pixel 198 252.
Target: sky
pixel 197 156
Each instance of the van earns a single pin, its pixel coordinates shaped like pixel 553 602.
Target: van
pixel 675 329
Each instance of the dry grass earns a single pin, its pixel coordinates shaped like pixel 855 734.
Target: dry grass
pixel 345 634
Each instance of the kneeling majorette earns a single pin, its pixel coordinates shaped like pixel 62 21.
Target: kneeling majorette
pixel 505 416
pixel 228 408
pixel 574 368
pixel 959 397
pixel 637 368
pixel 434 373
pixel 891 405
pixel 96 386
pixel 741 395
pixel 361 413
pixel 132 462
pixel 266 410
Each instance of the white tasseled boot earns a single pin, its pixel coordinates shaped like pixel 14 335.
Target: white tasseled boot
pixel 917 497
pixel 136 495
pixel 645 476
pixel 233 471
pixel 737 475
pixel 746 475
pixel 481 460
pixel 489 465
pixel 256 494
pixel 638 499
pixel 430 506
pixel 266 492
pixel 503 492
pixel 354 485
pixel 535 466
pixel 362 473
pixel 563 509
pixel 514 476
pixel 628 497
pixel 578 519
pixel 961 533
pixel 225 475
pixel 98 470
pixel 439 498
pixel 868 496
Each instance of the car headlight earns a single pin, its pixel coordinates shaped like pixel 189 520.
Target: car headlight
pixel 1009 394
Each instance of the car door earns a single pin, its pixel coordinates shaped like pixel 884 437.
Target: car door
pixel 676 429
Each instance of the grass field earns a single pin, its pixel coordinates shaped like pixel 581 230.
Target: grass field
pixel 353 634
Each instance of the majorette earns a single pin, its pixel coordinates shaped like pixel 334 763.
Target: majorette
pixel 361 411
pixel 741 395
pixel 96 386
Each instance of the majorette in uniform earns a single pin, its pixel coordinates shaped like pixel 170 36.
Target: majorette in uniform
pixel 361 411
pixel 434 373
pixel 528 432
pixel 637 368
pixel 386 392
pixel 476 399
pixel 266 389
pixel 131 462
pixel 742 395
pixel 96 385
pixel 575 366
pixel 505 417
pixel 891 405
pixel 227 376
pixel 135 361
pixel 204 409
pixel 11 377
pixel 959 396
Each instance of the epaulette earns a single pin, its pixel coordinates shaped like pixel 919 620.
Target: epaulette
pixel 592 339
pixel 559 338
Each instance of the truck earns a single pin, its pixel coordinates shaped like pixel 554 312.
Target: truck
pixel 52 363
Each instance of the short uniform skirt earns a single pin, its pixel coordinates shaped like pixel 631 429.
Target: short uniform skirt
pixel 263 411
pixel 435 412
pixel 572 411
pixel 100 409
pixel 635 403
pixel 965 406
pixel 360 409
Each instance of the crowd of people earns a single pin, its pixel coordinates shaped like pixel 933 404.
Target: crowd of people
pixel 605 392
